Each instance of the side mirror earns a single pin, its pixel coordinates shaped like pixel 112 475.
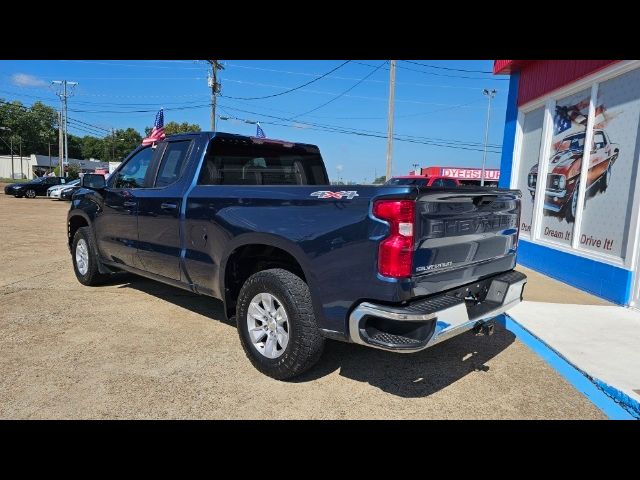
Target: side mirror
pixel 93 181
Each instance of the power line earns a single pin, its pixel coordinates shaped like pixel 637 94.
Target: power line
pixel 440 74
pixel 368 133
pixel 447 68
pixel 341 94
pixel 296 88
pixel 336 77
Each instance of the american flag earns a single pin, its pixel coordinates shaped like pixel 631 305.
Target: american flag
pixel 260 132
pixel 157 134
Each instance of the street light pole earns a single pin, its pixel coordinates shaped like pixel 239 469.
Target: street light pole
pixel 489 94
pixel 392 93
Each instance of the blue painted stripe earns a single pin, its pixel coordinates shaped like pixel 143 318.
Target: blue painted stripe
pixel 509 135
pixel 569 372
pixel 607 281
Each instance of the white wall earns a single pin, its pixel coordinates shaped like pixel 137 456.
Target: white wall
pixel 5 166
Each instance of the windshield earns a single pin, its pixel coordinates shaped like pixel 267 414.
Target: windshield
pixel 419 182
pixel 574 142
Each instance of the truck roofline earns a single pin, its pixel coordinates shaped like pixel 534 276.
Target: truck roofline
pixel 236 136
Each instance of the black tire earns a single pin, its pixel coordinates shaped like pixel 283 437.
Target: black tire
pixel 305 344
pixel 92 276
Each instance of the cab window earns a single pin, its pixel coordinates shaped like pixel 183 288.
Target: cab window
pixel 133 172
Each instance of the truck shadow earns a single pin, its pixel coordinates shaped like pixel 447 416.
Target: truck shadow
pixel 404 375
pixel 203 305
pixel 412 375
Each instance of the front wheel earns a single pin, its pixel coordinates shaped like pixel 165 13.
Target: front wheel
pixel 85 258
pixel 31 193
pixel 276 324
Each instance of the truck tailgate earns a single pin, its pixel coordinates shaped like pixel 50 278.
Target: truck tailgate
pixel 464 234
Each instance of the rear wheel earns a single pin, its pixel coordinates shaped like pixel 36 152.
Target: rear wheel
pixel 85 258
pixel 31 193
pixel 276 324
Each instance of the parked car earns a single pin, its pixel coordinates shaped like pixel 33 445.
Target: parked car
pixel 424 181
pixel 67 192
pixel 56 190
pixel 37 186
pixel 561 193
pixel 255 223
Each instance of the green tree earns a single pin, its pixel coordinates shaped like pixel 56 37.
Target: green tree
pixel 380 180
pixel 173 128
pixel 93 147
pixel 33 126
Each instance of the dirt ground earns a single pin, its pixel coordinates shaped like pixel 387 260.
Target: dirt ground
pixel 139 349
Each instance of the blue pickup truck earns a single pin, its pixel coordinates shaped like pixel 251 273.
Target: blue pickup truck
pixel 255 223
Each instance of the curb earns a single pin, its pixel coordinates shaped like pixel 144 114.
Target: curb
pixel 614 403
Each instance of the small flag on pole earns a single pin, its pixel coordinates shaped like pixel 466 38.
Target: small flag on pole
pixel 157 134
pixel 260 132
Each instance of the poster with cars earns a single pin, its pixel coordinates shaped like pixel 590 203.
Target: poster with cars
pixel 563 167
pixel 613 166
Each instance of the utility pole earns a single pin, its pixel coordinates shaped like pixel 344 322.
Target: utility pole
pixel 392 93
pixel 21 166
pixel 489 94
pixel 214 85
pixel 60 145
pixel 113 145
pixel 64 93
pixel 13 173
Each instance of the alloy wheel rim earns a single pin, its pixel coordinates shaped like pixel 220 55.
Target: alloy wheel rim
pixel 82 257
pixel 31 193
pixel 268 325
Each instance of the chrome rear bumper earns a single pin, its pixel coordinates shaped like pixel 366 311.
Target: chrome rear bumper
pixel 423 323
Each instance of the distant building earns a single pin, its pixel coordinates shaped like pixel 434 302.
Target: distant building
pixel 37 165
pixel 466 176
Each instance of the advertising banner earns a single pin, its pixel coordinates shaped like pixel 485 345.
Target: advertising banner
pixel 563 167
pixel 613 166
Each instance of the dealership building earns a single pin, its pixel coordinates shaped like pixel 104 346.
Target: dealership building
pixel 580 223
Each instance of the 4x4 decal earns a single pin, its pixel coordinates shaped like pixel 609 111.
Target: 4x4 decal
pixel 338 195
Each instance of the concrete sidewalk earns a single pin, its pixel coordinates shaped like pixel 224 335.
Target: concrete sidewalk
pixel 598 338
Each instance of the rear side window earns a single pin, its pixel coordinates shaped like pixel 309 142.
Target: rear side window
pixel 250 164
pixel 172 163
pixel 438 183
pixel 449 183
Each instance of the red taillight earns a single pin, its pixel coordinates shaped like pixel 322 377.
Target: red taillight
pixel 395 254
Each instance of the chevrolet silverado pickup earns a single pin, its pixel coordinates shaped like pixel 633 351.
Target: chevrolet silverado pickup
pixel 295 260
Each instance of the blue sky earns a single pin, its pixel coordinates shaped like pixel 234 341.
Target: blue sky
pixel 433 105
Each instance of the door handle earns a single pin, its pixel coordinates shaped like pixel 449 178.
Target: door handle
pixel 128 204
pixel 169 206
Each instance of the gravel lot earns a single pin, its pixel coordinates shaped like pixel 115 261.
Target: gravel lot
pixel 139 349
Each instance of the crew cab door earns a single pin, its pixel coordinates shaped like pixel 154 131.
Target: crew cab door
pixel 159 243
pixel 116 226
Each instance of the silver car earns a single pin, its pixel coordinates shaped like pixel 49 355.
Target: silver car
pixel 56 190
